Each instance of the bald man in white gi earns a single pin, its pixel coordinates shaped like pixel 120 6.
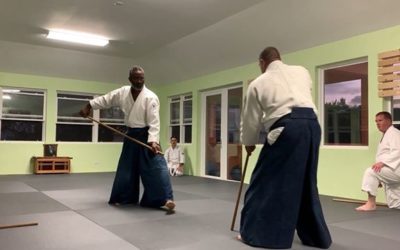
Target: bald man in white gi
pixel 386 170
pixel 282 196
pixel 137 163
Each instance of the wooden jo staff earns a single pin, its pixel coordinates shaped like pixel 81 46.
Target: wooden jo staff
pixel 240 192
pixel 19 225
pixel 123 134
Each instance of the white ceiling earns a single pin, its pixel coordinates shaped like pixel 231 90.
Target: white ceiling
pixel 174 40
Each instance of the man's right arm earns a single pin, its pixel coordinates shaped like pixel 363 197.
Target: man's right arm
pixel 251 116
pixel 166 154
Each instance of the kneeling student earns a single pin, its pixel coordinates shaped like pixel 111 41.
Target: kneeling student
pixel 175 158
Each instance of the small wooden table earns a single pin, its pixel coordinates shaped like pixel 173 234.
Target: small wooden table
pixel 52 164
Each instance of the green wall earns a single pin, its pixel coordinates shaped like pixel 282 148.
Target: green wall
pixel 15 157
pixel 196 87
pixel 340 168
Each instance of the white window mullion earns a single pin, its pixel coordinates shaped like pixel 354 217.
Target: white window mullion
pixel 95 130
pixel 182 128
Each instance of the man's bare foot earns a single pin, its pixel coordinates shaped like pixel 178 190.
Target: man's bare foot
pixel 366 207
pixel 239 237
pixel 170 205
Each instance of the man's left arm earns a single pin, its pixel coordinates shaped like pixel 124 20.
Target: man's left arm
pixel 181 159
pixel 181 156
pixel 153 121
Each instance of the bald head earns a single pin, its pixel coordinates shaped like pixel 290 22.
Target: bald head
pixel 267 56
pixel 270 54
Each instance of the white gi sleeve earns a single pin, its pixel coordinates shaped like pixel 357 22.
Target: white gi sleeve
pixel 166 154
pixel 153 119
pixel 181 156
pixel 392 158
pixel 108 100
pixel 251 117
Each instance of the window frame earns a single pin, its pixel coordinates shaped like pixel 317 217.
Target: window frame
pixel 321 100
pixel 72 122
pixel 389 104
pixel 96 115
pixel 35 118
pixel 181 99
pixel 111 122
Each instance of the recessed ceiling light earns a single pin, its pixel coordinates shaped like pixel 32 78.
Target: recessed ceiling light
pixel 118 3
pixel 77 37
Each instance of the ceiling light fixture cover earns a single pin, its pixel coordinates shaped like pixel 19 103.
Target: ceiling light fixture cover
pixel 77 37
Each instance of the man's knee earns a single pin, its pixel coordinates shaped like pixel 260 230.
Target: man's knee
pixel 178 172
pixel 369 173
pixel 172 171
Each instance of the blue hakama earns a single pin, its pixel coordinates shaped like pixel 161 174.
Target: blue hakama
pixel 138 162
pixel 282 195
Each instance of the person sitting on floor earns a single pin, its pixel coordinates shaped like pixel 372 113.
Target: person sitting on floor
pixel 175 158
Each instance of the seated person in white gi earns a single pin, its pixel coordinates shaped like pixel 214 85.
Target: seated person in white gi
pixel 386 170
pixel 175 158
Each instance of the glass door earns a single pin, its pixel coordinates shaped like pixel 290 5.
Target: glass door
pixel 213 135
pixel 221 150
pixel 234 147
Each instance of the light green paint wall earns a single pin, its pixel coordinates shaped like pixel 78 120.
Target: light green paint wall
pixel 15 157
pixel 340 169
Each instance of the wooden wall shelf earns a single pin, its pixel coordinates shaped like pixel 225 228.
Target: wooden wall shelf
pixel 51 165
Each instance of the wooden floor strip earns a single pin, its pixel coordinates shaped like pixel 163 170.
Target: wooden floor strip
pixel 348 200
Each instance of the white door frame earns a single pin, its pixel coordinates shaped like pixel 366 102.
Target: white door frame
pixel 224 131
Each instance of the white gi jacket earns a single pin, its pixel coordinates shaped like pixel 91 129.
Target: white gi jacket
pixel 271 96
pixel 389 154
pixel 389 148
pixel 174 157
pixel 138 114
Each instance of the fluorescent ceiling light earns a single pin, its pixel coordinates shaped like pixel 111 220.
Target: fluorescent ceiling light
pixel 11 90
pixel 77 37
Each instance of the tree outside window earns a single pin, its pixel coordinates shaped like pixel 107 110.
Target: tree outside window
pixel 345 104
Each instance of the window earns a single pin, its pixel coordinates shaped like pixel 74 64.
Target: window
pixel 395 110
pixel 345 103
pixel 72 127
pixel 181 118
pixel 113 117
pixel 22 114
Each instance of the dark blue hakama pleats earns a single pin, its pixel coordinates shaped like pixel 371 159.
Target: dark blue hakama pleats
pixel 282 195
pixel 137 162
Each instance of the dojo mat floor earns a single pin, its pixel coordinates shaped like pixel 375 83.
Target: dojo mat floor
pixel 72 213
